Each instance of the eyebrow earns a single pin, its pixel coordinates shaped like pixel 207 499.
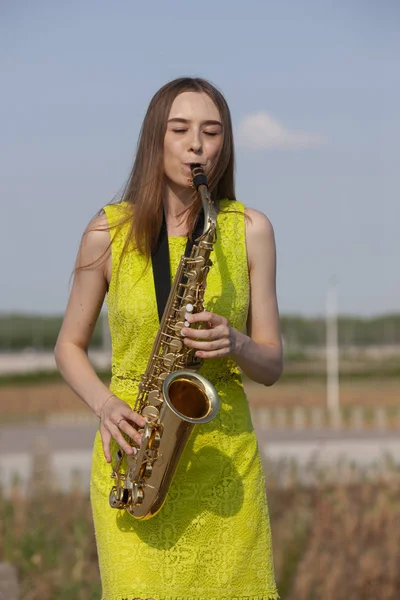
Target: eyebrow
pixel 186 121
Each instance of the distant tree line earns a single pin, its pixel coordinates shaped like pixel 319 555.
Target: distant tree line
pixel 19 332
pixel 352 331
pixel 23 332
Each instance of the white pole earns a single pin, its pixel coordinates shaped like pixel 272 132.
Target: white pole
pixel 332 349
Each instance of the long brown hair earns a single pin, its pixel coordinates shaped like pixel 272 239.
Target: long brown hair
pixel 143 191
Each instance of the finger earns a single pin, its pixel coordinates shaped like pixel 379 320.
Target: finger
pixel 212 353
pixel 208 346
pixel 124 426
pixel 136 418
pixel 204 334
pixel 205 316
pixel 121 441
pixel 126 414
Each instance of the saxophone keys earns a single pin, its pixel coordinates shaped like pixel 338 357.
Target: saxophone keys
pixel 146 470
pixel 154 398
pixel 169 359
pixel 178 326
pixel 137 495
pixel 118 497
pixel 186 311
pixel 154 441
pixel 182 313
pixel 176 345
pixel 113 498
pixel 151 412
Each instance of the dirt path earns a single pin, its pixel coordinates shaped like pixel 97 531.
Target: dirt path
pixel 39 399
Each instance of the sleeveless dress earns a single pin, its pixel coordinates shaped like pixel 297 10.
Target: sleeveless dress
pixel 212 539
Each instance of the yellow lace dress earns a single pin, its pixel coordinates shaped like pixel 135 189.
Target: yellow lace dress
pixel 212 539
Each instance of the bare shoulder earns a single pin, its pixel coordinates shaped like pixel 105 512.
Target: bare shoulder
pixel 95 243
pixel 260 238
pixel 258 225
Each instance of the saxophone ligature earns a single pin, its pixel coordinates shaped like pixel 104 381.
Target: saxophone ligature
pixel 172 396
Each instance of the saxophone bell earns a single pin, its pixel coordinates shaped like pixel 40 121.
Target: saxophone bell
pixel 190 396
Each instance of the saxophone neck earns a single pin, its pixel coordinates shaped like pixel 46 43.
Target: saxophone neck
pixel 200 181
pixel 210 214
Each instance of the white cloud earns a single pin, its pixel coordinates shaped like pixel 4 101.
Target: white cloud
pixel 257 131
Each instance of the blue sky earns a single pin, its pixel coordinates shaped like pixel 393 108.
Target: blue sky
pixel 314 91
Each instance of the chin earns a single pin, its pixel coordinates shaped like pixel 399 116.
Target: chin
pixel 182 181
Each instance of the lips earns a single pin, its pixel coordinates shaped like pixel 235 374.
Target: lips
pixel 193 163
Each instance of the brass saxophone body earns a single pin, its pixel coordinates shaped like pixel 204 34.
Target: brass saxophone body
pixel 172 396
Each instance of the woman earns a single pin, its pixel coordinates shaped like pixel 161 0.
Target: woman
pixel 211 539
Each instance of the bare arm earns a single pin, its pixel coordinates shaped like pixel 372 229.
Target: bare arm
pixel 259 352
pixel 84 305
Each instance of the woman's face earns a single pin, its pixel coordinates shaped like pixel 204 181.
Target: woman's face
pixel 194 135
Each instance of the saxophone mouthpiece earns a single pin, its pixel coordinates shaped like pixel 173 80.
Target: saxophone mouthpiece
pixel 198 175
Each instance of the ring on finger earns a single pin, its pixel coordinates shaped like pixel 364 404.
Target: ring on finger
pixel 119 421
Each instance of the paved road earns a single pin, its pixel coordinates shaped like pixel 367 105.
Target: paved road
pixel 79 436
pixel 67 449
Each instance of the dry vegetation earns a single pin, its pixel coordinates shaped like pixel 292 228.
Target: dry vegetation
pixel 339 541
pixel 51 545
pixel 39 399
pixel 330 541
pixel 312 392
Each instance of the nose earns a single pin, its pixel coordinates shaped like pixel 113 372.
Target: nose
pixel 195 143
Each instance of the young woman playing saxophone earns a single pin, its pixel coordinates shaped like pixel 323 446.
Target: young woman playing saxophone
pixel 211 539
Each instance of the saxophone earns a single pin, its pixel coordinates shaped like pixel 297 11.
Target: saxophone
pixel 172 397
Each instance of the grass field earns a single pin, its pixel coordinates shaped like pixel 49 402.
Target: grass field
pixel 330 542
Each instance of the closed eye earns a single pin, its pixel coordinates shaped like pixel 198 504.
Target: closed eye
pixel 210 133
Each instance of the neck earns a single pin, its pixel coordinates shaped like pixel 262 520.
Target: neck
pixel 176 200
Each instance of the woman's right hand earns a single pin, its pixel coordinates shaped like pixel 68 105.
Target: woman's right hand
pixel 116 416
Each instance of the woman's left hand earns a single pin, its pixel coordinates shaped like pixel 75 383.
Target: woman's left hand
pixel 215 340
